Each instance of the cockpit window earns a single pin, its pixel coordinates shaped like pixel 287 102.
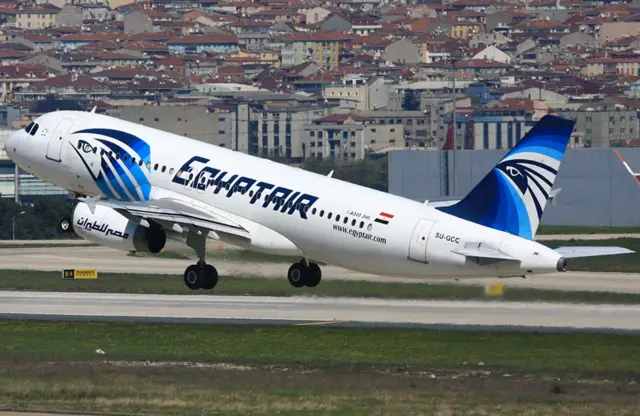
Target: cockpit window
pixel 28 128
pixel 34 130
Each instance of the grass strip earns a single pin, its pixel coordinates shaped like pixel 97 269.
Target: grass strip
pixel 77 341
pixel 189 369
pixel 584 229
pixel 26 280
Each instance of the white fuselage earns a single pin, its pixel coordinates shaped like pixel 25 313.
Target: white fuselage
pixel 416 242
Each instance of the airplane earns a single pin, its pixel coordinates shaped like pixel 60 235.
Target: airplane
pixel 134 185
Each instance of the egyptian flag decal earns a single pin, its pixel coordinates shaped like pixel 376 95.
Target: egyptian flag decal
pixel 383 218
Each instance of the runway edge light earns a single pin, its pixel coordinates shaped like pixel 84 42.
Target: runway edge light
pixel 73 274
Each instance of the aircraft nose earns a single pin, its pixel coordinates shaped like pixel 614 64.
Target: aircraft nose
pixel 11 143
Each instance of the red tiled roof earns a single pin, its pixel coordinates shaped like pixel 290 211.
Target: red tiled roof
pixel 207 39
pixel 325 35
pixel 341 118
pixel 70 80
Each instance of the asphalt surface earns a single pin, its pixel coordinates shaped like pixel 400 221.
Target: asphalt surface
pixel 319 311
pixel 116 261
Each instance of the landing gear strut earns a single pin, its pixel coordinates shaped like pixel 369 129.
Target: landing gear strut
pixel 304 273
pixel 200 275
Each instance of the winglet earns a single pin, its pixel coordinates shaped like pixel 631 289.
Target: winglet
pixel 626 165
pixel 330 174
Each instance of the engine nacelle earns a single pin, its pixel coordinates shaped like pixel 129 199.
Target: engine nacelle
pixel 107 227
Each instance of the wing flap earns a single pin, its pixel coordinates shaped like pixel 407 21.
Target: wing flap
pixel 168 210
pixel 572 252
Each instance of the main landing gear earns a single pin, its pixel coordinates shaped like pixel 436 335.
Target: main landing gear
pixel 200 275
pixel 204 276
pixel 304 273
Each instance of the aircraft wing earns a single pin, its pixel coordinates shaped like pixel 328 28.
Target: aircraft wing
pixel 574 252
pixel 169 212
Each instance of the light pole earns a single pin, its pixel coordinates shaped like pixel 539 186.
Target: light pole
pixel 14 223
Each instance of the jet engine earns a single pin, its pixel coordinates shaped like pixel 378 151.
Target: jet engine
pixel 107 227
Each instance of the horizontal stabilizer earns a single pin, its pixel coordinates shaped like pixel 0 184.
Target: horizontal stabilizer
pixel 590 251
pixel 482 250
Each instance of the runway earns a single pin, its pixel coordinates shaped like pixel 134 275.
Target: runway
pixel 108 260
pixel 319 311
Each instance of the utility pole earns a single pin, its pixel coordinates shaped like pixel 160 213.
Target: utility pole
pixel 455 57
pixel 16 184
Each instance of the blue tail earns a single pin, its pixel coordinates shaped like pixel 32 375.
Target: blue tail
pixel 513 195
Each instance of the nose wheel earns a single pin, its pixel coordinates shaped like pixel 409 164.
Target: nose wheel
pixel 302 274
pixel 65 225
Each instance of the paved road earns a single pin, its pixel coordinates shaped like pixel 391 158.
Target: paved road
pixel 110 260
pixel 321 311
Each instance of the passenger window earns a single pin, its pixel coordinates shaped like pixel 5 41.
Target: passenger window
pixel 125 158
pixel 321 213
pixel 133 160
pixel 95 150
pixel 361 224
pixel 369 227
pixel 155 167
pixel 148 165
pixel 337 217
pixel 140 162
pixel 313 211
pixel 250 193
pixel 164 168
pixel 79 145
pixel 329 216
pixel 346 220
pixel 171 171
pixel 353 223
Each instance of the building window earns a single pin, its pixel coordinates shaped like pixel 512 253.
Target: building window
pixel 485 136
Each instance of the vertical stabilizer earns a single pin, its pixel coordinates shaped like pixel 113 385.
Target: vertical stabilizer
pixel 513 195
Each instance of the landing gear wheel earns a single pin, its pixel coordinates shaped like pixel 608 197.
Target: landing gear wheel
pixel 194 277
pixel 314 275
pixel 210 277
pixel 65 225
pixel 296 274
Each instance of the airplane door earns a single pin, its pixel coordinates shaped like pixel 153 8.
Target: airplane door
pixel 54 148
pixel 419 240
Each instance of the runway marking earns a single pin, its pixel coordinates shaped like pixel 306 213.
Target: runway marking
pixel 320 323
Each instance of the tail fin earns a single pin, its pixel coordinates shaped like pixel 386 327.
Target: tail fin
pixel 513 195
